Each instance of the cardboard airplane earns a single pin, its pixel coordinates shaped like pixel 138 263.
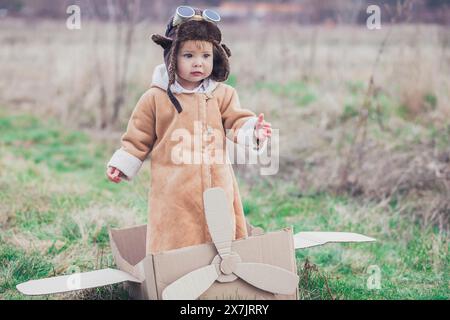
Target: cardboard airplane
pixel 261 266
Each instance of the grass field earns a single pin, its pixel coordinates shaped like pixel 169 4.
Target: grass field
pixel 57 205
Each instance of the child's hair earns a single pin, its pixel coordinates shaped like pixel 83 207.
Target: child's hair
pixel 200 44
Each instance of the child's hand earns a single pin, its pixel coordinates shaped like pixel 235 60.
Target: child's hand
pixel 114 174
pixel 263 129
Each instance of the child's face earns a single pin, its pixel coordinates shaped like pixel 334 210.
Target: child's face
pixel 194 62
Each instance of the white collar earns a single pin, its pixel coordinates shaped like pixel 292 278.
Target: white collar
pixel 160 79
pixel 178 88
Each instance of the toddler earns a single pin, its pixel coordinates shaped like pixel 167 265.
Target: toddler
pixel 188 100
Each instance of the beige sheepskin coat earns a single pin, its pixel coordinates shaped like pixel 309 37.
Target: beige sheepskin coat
pixel 188 154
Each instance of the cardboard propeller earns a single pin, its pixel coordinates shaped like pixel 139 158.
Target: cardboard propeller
pixel 261 266
pixel 227 265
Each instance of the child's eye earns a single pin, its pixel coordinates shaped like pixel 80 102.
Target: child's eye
pixel 187 55
pixel 206 55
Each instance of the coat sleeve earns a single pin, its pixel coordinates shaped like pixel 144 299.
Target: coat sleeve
pixel 137 142
pixel 239 123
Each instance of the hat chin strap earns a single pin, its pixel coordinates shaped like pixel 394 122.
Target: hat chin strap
pixel 174 100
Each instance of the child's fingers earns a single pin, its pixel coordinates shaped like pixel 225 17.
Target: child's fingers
pixel 116 179
pixel 111 178
pixel 260 119
pixel 263 125
pixel 115 173
pixel 111 170
pixel 119 175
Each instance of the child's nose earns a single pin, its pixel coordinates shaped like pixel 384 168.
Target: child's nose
pixel 197 62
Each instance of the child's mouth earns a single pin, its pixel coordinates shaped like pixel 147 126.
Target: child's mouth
pixel 196 74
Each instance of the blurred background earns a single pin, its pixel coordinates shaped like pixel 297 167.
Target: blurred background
pixel 363 115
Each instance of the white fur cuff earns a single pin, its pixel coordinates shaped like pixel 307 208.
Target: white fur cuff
pixel 125 162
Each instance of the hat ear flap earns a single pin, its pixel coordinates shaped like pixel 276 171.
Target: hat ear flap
pixel 227 50
pixel 164 42
pixel 221 68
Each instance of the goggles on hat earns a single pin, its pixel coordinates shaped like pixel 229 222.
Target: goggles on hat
pixel 184 13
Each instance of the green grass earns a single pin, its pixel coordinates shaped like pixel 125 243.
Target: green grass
pixel 298 91
pixel 57 205
pixel 232 80
pixel 19 266
pixel 57 202
pixel 413 261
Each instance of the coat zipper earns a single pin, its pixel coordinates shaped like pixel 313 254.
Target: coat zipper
pixel 207 129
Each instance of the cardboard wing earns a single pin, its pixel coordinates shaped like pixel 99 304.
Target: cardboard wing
pixel 305 240
pixel 262 266
pixel 76 281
